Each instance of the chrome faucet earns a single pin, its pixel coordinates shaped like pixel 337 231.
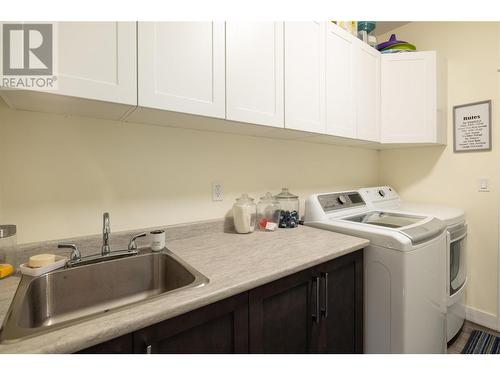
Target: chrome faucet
pixel 132 246
pixel 105 250
pixel 75 256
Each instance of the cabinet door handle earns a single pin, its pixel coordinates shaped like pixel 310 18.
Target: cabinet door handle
pixel 324 310
pixel 149 349
pixel 315 316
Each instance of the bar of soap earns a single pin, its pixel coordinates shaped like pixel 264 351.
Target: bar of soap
pixel 41 260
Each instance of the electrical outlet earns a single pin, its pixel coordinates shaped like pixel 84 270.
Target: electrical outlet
pixel 217 193
pixel 484 185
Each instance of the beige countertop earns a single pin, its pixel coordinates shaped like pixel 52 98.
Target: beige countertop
pixel 234 263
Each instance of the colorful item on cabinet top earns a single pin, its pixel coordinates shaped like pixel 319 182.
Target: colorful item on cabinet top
pixel 393 46
pixel 349 26
pixel 367 26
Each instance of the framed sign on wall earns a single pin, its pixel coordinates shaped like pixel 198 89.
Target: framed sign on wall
pixel 472 127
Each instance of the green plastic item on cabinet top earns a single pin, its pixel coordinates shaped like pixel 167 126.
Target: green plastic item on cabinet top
pixel 401 46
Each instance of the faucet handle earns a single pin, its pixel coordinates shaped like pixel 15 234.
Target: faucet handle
pixel 132 245
pixel 75 254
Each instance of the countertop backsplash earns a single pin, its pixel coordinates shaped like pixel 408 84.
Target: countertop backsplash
pixel 89 245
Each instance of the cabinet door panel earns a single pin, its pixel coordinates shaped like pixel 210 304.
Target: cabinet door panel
pixel 254 72
pixel 305 76
pixel 367 93
pixel 182 67
pixel 97 60
pixel 340 109
pixel 408 96
pixel 220 328
pixel 119 345
pixel 342 304
pixel 281 316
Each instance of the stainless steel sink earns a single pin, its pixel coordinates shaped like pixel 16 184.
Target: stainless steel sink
pixel 68 296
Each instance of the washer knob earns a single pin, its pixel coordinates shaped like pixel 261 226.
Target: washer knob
pixel 342 199
pixel 381 193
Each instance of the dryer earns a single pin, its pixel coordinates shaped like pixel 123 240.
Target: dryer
pixel 386 197
pixel 404 282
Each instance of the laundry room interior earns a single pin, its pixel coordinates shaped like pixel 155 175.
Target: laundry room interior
pixel 244 187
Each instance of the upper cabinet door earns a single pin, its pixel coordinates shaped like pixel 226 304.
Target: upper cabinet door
pixel 408 93
pixel 254 72
pixel 367 92
pixel 97 60
pixel 305 76
pixel 182 67
pixel 340 109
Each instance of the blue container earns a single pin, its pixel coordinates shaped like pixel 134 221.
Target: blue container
pixel 367 26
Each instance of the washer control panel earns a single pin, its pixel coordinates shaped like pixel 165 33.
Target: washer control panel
pixel 337 201
pixel 379 194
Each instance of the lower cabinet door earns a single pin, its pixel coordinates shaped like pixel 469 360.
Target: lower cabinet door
pixel 220 328
pixel 342 305
pixel 281 315
pixel 119 345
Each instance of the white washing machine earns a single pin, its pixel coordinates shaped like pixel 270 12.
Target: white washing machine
pixel 404 281
pixel 385 197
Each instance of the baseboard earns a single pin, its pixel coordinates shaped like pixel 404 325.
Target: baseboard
pixel 482 318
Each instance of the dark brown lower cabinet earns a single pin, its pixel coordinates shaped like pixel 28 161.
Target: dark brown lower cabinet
pixel 341 305
pixel 119 345
pixel 318 310
pixel 219 328
pixel 280 316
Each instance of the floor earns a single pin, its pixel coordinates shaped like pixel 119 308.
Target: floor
pixel 458 345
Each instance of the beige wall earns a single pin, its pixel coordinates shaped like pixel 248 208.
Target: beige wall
pixel 439 175
pixel 60 173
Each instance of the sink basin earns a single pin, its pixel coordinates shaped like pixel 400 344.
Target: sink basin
pixel 68 296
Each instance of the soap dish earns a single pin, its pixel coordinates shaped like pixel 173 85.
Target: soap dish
pixel 26 270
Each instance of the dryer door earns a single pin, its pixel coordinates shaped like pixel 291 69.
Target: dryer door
pixel 458 271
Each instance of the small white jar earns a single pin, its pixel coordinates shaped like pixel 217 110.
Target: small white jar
pixel 158 240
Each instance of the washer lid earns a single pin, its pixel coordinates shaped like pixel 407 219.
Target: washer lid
pixel 424 232
pixel 385 219
pixel 450 215
pixel 416 228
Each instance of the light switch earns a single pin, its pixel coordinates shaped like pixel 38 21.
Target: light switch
pixel 484 185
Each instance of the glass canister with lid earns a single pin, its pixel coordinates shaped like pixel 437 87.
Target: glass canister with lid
pixel 289 214
pixel 268 212
pixel 244 213
pixel 8 242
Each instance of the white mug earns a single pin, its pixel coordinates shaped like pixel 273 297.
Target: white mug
pixel 158 240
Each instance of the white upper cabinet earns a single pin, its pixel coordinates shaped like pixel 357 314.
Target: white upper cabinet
pixel 413 98
pixel 182 67
pixel 305 76
pixel 97 60
pixel 95 66
pixel 340 106
pixel 367 92
pixel 313 77
pixel 254 72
